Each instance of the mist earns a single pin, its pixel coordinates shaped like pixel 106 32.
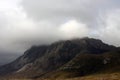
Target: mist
pixel 24 23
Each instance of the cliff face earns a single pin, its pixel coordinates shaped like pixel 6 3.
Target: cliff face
pixel 85 56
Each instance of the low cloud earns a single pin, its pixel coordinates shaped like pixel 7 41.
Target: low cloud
pixel 73 29
pixel 24 23
pixel 110 30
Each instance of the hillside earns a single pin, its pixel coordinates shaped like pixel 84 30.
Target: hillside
pixel 64 59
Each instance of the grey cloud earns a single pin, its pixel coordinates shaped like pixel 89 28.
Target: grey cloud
pixel 26 22
pixel 61 10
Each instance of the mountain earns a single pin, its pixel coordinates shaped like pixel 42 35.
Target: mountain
pixel 69 58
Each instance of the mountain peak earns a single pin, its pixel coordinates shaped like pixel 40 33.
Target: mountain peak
pixel 43 59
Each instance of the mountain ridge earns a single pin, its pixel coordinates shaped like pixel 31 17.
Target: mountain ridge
pixel 39 61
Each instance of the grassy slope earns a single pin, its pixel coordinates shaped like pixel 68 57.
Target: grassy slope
pixel 105 76
pixel 111 76
pixel 110 72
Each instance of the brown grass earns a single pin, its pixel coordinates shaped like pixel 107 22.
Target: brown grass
pixel 111 76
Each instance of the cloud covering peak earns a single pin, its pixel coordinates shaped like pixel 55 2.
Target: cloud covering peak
pixel 24 23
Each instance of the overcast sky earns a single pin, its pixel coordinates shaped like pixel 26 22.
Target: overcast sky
pixel 24 23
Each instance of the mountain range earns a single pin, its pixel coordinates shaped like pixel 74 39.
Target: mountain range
pixel 64 59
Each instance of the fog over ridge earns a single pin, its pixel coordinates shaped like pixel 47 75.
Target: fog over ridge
pixel 24 23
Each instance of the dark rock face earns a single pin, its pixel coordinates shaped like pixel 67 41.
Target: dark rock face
pixel 63 55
